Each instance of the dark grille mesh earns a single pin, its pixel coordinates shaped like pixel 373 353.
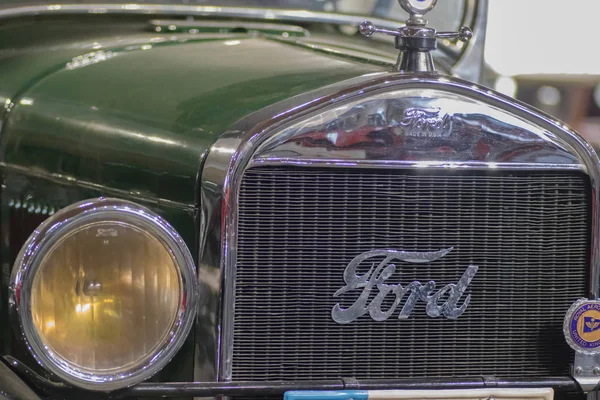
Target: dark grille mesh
pixel 299 228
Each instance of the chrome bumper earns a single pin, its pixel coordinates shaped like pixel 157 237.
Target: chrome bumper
pixel 272 389
pixel 261 390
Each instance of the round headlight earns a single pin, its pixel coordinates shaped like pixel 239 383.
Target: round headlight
pixel 105 292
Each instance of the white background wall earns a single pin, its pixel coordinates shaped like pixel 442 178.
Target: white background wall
pixel 544 36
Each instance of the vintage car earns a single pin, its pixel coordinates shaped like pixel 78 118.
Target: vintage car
pixel 277 199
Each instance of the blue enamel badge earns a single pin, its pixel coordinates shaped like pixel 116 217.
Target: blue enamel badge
pixel 582 326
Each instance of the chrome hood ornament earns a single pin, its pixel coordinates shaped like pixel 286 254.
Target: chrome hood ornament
pixel 415 40
pixel 380 272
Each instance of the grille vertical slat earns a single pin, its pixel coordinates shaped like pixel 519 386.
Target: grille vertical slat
pixel 298 228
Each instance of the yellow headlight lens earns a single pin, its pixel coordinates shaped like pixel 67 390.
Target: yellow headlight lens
pixel 105 296
pixel 105 292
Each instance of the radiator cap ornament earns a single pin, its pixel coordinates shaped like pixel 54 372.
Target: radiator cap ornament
pixel 416 40
pixel 582 326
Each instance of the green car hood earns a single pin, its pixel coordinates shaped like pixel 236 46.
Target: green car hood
pixel 135 117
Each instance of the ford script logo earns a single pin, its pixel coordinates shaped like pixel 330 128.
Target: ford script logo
pixel 413 292
pixel 426 122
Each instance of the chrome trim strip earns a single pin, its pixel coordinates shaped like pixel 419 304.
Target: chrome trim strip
pixel 277 388
pixel 473 166
pixel 206 11
pixel 257 135
pixel 261 390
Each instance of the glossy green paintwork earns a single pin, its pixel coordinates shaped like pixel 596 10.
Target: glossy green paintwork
pixel 140 121
pixel 107 108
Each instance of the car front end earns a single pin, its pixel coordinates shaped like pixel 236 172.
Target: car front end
pixel 261 203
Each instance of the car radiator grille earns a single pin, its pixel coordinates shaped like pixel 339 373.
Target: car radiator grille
pixel 298 228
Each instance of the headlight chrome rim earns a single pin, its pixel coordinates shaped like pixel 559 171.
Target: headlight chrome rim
pixel 50 232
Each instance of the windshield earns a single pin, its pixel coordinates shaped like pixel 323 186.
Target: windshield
pixel 446 16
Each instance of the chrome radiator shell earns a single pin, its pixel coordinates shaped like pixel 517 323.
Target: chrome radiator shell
pixel 525 140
